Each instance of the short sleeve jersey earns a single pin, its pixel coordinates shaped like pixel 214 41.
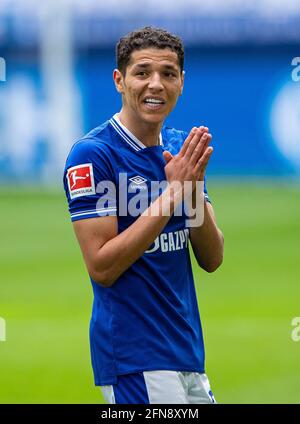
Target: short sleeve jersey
pixel 149 318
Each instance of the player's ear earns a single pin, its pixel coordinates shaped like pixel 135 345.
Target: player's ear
pixel 119 80
pixel 182 81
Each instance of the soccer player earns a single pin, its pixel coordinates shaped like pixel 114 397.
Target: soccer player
pixel 145 332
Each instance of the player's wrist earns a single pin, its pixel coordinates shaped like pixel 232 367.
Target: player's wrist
pixel 167 202
pixel 174 193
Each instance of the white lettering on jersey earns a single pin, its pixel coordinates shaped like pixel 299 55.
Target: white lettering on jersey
pixel 169 242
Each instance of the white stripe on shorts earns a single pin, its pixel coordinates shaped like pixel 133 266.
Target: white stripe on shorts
pixel 108 394
pixel 172 387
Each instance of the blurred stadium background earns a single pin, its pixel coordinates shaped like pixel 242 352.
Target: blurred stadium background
pixel 242 82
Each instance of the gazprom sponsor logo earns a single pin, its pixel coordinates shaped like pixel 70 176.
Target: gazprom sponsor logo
pixel 169 242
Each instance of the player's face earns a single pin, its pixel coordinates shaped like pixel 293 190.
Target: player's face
pixel 151 85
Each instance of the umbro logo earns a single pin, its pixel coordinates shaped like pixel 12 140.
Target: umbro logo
pixel 138 180
pixel 137 183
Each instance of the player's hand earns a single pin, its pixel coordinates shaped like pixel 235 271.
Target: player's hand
pixel 190 163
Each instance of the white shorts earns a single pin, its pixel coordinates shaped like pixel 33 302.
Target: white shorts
pixel 160 387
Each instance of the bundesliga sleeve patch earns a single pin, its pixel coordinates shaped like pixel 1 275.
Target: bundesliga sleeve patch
pixel 81 180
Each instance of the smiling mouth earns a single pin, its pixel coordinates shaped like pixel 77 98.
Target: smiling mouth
pixel 154 104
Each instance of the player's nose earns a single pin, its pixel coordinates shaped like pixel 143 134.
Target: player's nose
pixel 155 82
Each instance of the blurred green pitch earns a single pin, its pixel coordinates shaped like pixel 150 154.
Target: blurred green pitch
pixel 246 306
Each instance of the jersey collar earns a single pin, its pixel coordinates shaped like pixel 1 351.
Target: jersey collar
pixel 127 135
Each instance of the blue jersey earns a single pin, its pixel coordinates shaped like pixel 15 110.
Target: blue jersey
pixel 148 319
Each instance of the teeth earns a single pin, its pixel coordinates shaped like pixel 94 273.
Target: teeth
pixel 153 101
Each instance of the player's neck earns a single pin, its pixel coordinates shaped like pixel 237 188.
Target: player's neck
pixel 146 132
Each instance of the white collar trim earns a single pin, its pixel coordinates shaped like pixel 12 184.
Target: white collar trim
pixel 132 136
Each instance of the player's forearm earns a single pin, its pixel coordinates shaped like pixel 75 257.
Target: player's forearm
pixel 207 242
pixel 119 253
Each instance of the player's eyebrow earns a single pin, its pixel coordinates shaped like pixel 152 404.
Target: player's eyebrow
pixel 147 65
pixel 171 67
pixel 141 66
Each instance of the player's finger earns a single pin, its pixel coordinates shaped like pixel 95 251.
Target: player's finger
pixel 200 147
pixel 203 161
pixel 187 141
pixel 167 156
pixel 194 142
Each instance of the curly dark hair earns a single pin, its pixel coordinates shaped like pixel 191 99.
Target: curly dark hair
pixel 144 38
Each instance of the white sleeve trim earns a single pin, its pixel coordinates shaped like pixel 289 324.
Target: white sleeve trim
pixel 103 211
